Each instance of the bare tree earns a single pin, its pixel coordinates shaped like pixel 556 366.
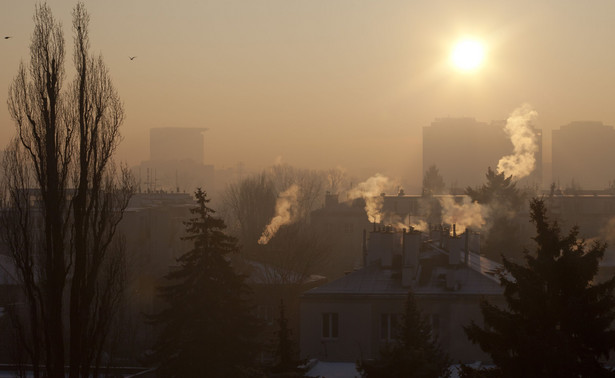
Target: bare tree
pixel 248 205
pixel 64 199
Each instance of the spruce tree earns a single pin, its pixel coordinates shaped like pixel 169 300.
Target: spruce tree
pixel 433 183
pixel 207 329
pixel 285 347
pixel 558 319
pixel 504 200
pixel 415 353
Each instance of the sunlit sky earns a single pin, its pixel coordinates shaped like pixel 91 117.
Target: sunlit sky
pixel 337 83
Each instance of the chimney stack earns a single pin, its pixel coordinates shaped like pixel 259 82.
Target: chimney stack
pixel 411 244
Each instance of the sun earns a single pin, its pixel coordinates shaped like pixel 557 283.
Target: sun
pixel 468 55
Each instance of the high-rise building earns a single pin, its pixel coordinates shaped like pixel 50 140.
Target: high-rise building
pixel 176 144
pixel 176 161
pixel 463 148
pixel 583 155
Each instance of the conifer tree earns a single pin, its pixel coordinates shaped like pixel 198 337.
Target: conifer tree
pixel 504 200
pixel 433 183
pixel 415 354
pixel 285 348
pixel 558 319
pixel 207 327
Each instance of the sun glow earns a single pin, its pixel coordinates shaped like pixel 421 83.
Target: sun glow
pixel 468 55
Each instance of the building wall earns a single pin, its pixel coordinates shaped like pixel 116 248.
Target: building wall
pixel 360 324
pixel 355 330
pixel 342 224
pixel 584 152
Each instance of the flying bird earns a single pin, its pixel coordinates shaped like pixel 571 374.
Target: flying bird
pixel 132 57
pixel 8 36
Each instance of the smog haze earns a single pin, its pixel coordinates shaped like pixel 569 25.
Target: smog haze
pixel 325 84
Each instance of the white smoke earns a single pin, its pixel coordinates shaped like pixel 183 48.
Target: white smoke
pixel 370 191
pixel 420 225
pixel 408 222
pixel 518 127
pixel 283 215
pixel 463 215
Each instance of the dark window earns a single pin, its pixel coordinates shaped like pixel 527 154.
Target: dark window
pixel 389 326
pixel 435 323
pixel 330 325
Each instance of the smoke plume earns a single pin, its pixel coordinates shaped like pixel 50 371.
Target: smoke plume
pixel 370 191
pixel 518 127
pixel 408 222
pixel 283 214
pixel 463 215
pixel 421 225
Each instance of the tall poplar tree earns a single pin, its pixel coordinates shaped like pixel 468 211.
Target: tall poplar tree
pixel 63 199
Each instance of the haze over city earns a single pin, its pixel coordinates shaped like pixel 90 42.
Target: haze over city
pixel 333 84
pixel 306 189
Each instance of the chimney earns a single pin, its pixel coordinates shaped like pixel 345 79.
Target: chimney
pixel 331 199
pixel 364 247
pixel 455 248
pixel 466 247
pixel 411 243
pixel 474 243
pixel 382 246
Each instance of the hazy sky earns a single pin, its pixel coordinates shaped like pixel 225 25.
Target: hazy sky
pixel 332 83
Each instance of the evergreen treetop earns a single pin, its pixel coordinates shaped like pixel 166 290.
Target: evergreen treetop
pixel 207 327
pixel 415 353
pixel 497 189
pixel 433 183
pixel 558 319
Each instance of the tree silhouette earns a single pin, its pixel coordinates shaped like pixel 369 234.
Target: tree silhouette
pixel 415 353
pixel 63 200
pixel 497 189
pixel 558 319
pixel 433 183
pixel 207 328
pixel 285 348
pixel 504 200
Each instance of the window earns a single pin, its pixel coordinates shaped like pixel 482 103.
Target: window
pixel 389 326
pixel 434 320
pixel 265 313
pixel 330 325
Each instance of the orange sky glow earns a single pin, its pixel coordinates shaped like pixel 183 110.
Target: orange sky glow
pixel 327 84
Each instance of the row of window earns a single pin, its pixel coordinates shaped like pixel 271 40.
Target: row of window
pixel 389 325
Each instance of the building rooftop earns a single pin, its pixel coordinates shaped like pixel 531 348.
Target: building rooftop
pixel 478 277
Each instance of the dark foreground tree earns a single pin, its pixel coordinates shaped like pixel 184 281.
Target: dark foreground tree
pixel 286 362
pixel 207 329
pixel 414 354
pixel 558 320
pixel 63 200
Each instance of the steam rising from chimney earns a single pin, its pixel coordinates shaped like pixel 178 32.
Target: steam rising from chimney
pixel 464 215
pixel 283 215
pixel 518 128
pixel 421 225
pixel 407 223
pixel 370 191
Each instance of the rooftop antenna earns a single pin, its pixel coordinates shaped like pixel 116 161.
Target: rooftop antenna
pixel 176 182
